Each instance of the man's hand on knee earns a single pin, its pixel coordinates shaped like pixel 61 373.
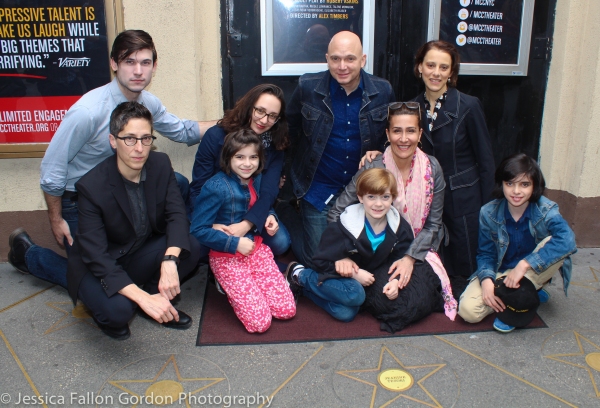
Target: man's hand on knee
pixel 168 285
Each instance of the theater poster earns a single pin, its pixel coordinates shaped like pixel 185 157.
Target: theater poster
pixel 295 33
pixel 51 53
pixel 493 37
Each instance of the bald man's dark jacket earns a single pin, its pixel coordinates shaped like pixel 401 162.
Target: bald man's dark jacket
pixel 310 119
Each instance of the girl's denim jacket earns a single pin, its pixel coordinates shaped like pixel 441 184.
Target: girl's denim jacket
pixel 223 200
pixel 545 221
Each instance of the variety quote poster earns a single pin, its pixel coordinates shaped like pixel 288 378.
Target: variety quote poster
pixel 51 53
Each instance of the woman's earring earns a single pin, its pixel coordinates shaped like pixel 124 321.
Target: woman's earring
pixel 448 80
pixel 420 75
pixel 386 144
pixel 420 144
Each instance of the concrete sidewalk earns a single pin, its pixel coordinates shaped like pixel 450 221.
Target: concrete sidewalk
pixel 52 354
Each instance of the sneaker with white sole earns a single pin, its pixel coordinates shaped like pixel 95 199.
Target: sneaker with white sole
pixel 502 327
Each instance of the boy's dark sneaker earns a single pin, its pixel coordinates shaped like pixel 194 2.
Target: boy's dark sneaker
pixel 543 295
pixel 292 280
pixel 502 327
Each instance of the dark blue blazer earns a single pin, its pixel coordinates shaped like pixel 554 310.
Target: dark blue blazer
pixel 461 143
pixel 106 229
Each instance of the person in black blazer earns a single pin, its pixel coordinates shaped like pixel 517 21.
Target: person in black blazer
pixel 133 244
pixel 455 132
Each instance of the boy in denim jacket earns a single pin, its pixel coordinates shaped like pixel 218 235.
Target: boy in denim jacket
pixel 521 234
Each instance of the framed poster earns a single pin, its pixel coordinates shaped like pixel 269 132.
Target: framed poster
pixel 295 33
pixel 493 37
pixel 51 53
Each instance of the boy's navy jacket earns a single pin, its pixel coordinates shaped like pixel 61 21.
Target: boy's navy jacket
pixel 347 238
pixel 545 221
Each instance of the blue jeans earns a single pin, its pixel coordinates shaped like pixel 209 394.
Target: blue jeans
pixel 280 242
pixel 306 234
pixel 46 264
pixel 340 297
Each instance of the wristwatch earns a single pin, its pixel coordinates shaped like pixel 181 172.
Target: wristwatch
pixel 171 258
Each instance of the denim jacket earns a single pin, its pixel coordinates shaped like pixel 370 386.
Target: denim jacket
pixel 310 118
pixel 223 200
pixel 545 221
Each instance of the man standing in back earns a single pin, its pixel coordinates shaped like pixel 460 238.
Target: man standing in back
pixel 335 117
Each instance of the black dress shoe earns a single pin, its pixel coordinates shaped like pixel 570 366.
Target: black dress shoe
pixel 19 242
pixel 117 333
pixel 185 321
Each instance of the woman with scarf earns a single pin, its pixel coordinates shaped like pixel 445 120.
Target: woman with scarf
pixel 420 201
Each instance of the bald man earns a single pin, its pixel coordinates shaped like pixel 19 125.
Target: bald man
pixel 335 117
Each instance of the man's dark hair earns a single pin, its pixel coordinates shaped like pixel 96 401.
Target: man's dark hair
pixel 515 165
pixel 241 114
pixel 126 111
pixel 236 141
pixel 442 46
pixel 130 41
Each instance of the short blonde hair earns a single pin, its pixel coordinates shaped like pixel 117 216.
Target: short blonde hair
pixel 376 181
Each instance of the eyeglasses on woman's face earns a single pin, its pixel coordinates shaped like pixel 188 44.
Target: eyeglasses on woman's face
pixel 260 113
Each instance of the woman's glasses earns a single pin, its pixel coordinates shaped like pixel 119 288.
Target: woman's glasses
pixel 261 113
pixel 392 107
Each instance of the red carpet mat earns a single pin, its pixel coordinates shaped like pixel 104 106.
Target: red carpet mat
pixel 220 326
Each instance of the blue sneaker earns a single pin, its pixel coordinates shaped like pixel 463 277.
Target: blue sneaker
pixel 543 295
pixel 502 327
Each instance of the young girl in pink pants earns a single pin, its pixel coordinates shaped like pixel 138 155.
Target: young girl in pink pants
pixel 243 265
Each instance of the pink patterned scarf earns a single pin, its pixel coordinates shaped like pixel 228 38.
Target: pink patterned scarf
pixel 414 204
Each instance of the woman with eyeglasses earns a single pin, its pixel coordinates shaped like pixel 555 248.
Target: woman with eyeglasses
pixel 455 132
pixel 420 201
pixel 261 109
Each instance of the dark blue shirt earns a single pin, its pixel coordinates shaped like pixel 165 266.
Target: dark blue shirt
pixel 340 158
pixel 520 241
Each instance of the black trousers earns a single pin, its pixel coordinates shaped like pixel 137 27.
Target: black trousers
pixel 143 267
pixel 459 256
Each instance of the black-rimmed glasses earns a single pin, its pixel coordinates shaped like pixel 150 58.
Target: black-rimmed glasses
pixel 131 141
pixel 261 113
pixel 394 106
